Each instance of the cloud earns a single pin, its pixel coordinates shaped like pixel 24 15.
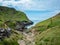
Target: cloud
pixel 22 3
pixel 32 4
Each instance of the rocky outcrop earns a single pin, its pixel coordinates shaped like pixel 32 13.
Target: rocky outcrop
pixel 21 26
pixel 4 33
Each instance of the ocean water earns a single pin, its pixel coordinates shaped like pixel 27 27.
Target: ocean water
pixel 35 21
pixel 38 16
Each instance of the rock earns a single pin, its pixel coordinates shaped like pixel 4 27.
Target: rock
pixel 22 25
pixel 1 30
pixel 4 33
pixel 21 42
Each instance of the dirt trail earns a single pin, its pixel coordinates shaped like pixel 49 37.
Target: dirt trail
pixel 28 39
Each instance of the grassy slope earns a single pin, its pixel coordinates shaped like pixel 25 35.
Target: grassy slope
pixel 11 14
pixel 48 21
pixel 13 39
pixel 51 22
pixel 49 31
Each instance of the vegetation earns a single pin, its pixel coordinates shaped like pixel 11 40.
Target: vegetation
pixel 8 19
pixel 11 14
pixel 48 31
pixel 12 40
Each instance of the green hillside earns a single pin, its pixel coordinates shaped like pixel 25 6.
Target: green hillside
pixel 11 16
pixel 48 31
pixel 51 22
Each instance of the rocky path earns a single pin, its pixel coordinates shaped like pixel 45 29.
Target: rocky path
pixel 28 39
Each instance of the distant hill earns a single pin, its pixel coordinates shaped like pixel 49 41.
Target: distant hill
pixel 48 31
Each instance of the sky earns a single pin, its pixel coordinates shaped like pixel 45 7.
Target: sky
pixel 39 5
pixel 34 9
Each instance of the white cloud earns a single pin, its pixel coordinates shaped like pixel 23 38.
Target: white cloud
pixel 24 4
pixel 32 4
pixel 1 0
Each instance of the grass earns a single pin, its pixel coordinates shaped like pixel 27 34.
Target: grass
pixel 49 31
pixel 51 22
pixel 13 39
pixel 10 14
pixel 49 37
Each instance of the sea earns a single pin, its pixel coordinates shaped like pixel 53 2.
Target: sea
pixel 38 16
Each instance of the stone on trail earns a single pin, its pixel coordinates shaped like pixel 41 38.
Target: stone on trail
pixel 21 42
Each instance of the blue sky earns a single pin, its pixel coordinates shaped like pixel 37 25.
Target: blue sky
pixel 40 5
pixel 35 9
